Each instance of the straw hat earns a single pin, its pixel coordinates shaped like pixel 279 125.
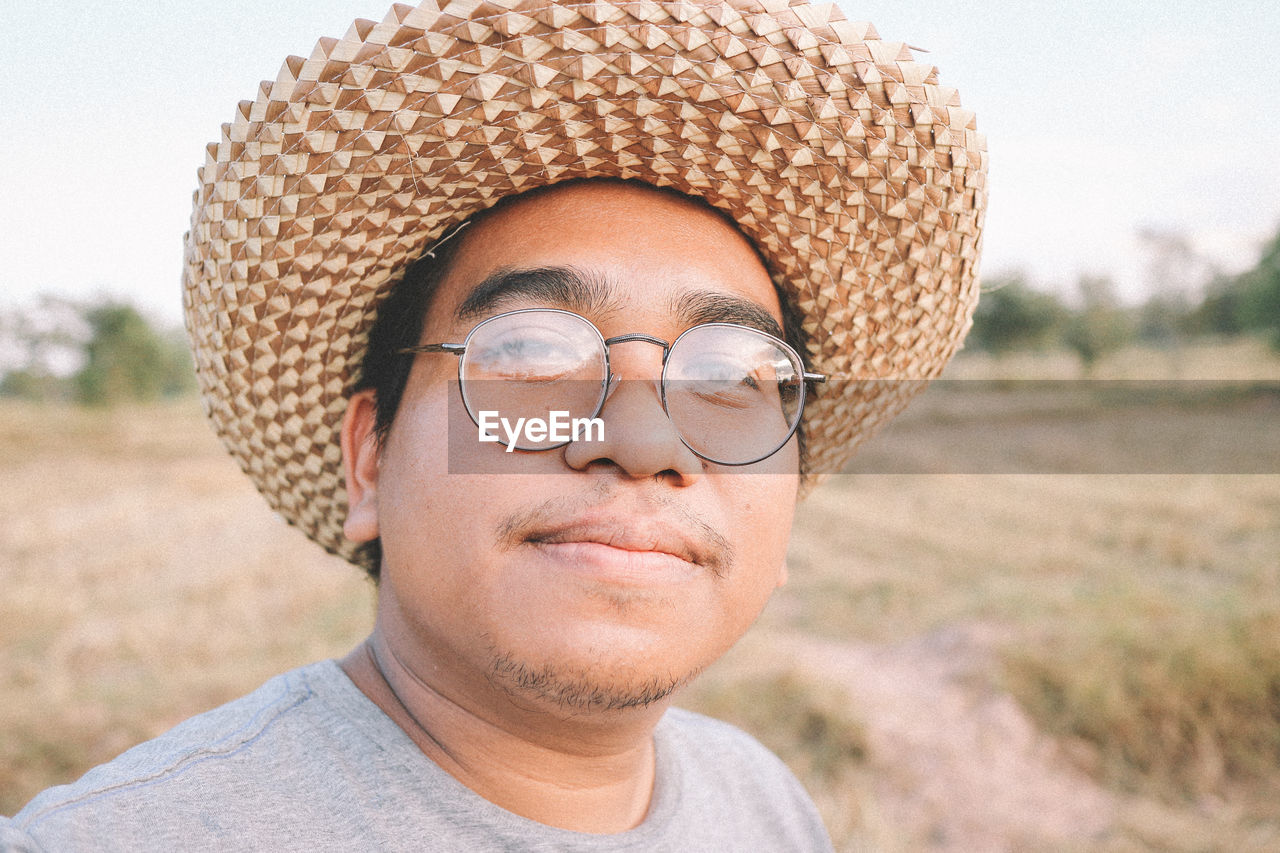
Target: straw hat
pixel 855 172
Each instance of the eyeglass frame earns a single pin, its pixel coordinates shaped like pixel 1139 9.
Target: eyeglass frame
pixel 610 378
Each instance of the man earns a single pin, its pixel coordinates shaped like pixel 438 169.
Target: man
pixel 642 215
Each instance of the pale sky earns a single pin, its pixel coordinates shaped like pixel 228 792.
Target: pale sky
pixel 1102 118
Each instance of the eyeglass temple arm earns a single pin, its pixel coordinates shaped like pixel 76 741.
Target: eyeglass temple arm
pixel 815 377
pixel 456 349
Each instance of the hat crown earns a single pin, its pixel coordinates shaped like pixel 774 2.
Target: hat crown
pixel 859 177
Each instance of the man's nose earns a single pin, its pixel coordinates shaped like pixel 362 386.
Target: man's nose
pixel 638 437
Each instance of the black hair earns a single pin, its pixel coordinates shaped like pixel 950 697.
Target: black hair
pixel 400 317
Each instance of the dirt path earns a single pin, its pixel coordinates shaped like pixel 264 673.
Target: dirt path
pixel 956 764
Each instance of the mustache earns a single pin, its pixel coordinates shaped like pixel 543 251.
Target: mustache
pixel 706 546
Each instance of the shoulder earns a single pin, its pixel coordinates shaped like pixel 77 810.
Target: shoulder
pixel 708 737
pixel 14 840
pixel 736 785
pixel 236 751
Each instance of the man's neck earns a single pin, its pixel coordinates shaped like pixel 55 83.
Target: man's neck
pixel 580 773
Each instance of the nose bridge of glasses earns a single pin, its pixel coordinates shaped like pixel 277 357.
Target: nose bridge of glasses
pixel 634 337
pixel 641 337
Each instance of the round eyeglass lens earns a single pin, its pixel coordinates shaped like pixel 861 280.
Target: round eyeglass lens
pixel 545 366
pixel 733 393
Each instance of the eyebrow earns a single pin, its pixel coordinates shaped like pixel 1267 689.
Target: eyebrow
pixel 709 306
pixel 575 290
pixel 562 287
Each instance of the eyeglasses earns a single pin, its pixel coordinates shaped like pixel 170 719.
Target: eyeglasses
pixel 734 394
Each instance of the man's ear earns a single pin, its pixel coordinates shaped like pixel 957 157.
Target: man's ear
pixel 360 465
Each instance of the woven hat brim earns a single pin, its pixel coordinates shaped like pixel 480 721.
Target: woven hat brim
pixel 859 177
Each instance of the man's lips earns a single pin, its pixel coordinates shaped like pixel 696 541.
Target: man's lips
pixel 630 533
pixel 639 537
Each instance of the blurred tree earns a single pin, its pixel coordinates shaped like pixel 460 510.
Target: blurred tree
pixel 1012 315
pixel 1100 326
pixel 1175 274
pixel 96 352
pixel 127 359
pixel 28 384
pixel 1219 311
pixel 1163 319
pixel 40 346
pixel 1259 305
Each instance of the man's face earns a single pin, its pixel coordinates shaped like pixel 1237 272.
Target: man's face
pixel 605 573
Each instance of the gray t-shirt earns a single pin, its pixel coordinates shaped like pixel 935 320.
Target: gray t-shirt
pixel 307 762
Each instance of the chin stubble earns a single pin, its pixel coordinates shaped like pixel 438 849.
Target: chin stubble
pixel 579 690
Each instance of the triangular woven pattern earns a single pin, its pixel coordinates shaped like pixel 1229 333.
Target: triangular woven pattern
pixel 859 177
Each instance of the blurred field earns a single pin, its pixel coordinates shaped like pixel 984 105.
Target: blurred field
pixel 143 581
pixel 959 661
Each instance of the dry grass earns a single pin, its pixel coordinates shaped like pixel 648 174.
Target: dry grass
pixel 1179 698
pixel 1134 617
pixel 143 581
